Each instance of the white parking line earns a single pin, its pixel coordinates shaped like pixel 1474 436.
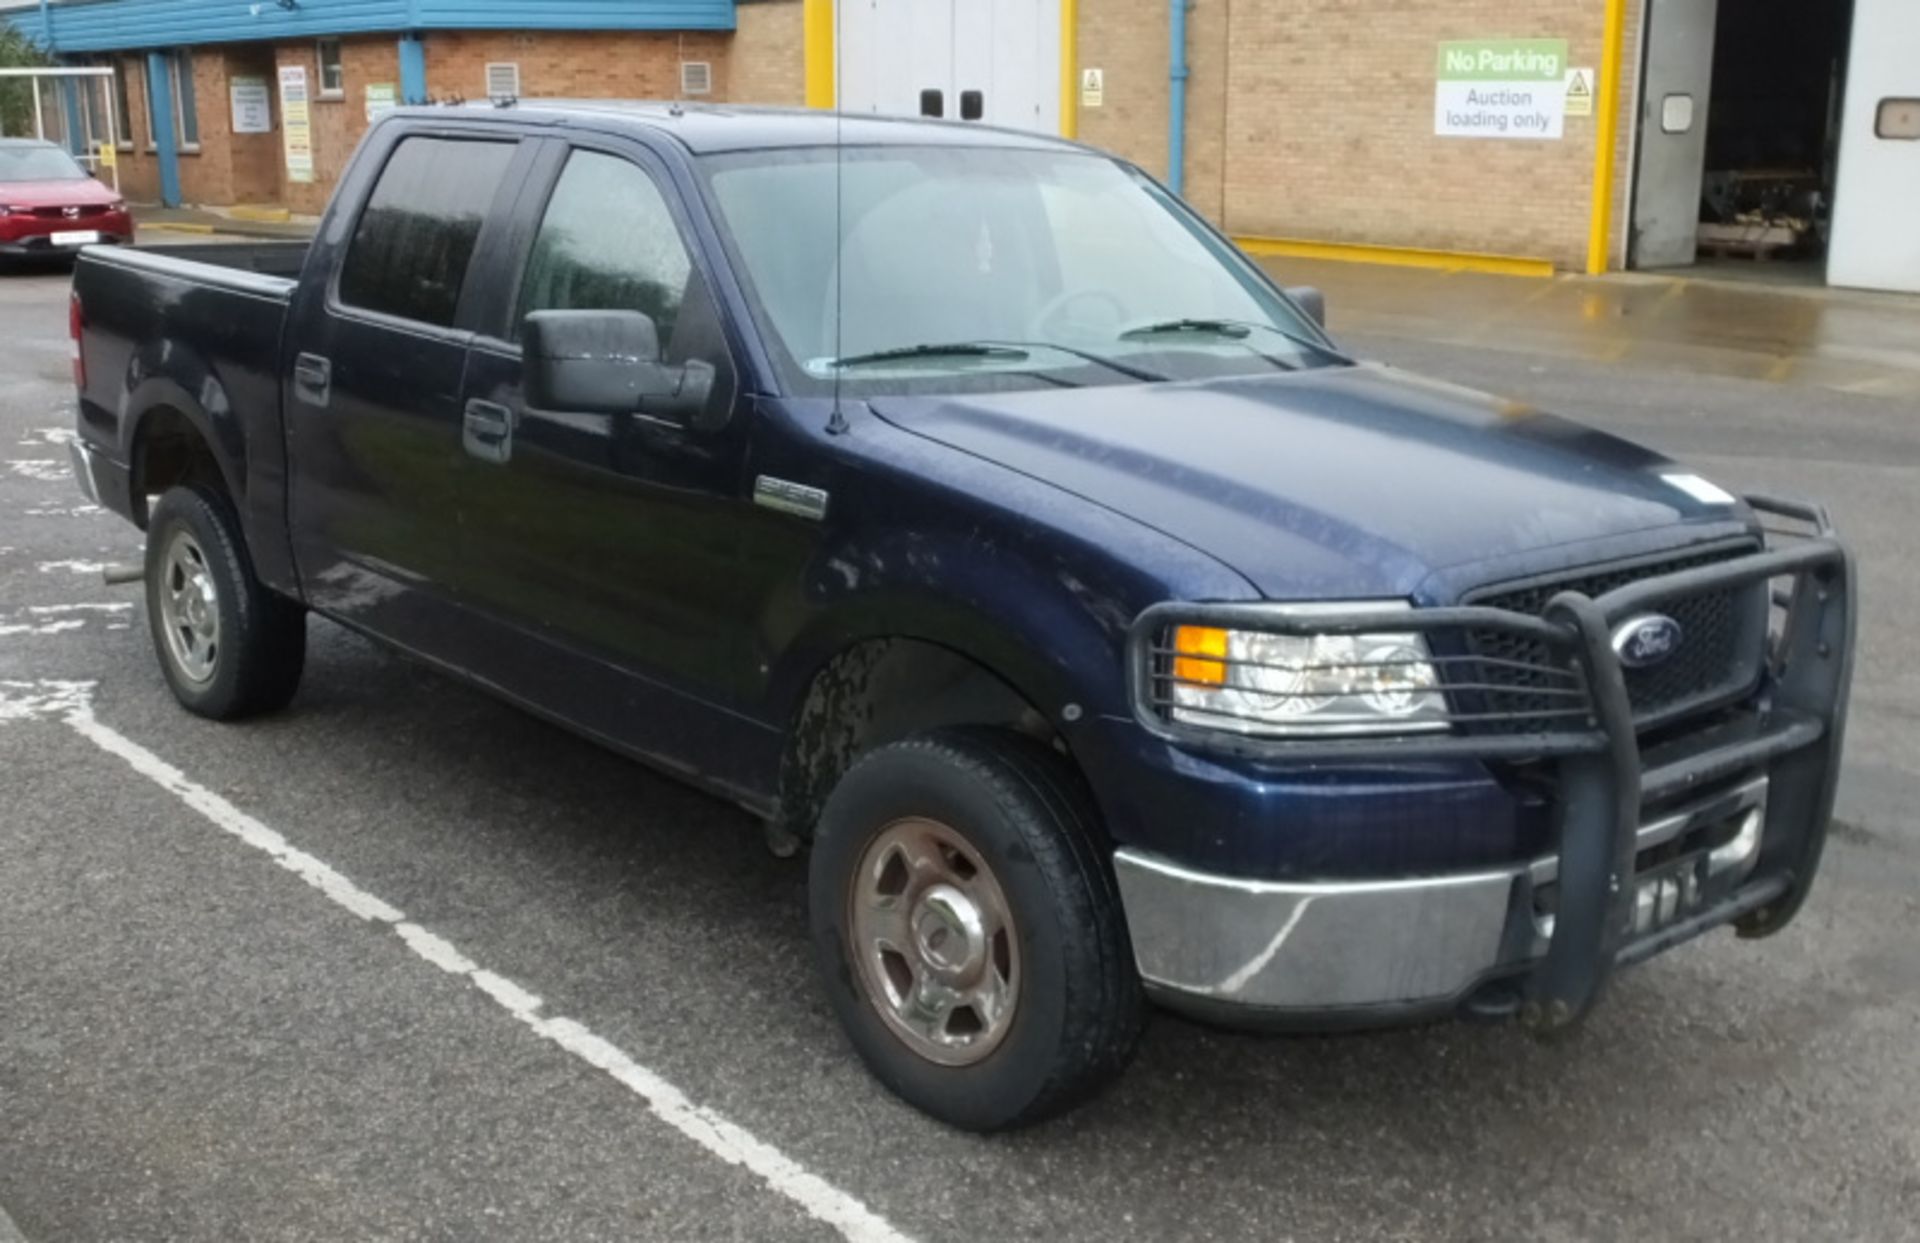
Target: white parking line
pixel 63 511
pixel 42 619
pixel 46 470
pixel 71 704
pixel 76 567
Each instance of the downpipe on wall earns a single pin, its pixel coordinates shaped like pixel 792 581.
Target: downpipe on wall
pixel 1177 94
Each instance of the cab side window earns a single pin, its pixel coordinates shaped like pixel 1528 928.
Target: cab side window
pixel 608 243
pixel 415 238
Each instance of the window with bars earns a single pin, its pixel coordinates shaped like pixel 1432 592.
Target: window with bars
pixel 333 74
pixel 503 80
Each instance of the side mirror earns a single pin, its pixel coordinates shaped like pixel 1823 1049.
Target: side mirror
pixel 1310 300
pixel 607 362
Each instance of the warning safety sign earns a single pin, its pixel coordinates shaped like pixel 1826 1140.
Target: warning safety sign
pixel 1579 92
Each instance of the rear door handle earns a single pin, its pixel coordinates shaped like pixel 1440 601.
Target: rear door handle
pixel 486 430
pixel 312 379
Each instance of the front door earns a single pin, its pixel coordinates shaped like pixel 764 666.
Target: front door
pixel 1876 244
pixel 372 394
pixel 1673 132
pixel 601 549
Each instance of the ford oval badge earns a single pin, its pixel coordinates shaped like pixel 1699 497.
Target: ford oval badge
pixel 1646 640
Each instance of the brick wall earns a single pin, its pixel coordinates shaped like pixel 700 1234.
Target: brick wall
pixel 1329 130
pixel 339 121
pixel 768 57
pixel 257 159
pixel 1313 119
pixel 578 65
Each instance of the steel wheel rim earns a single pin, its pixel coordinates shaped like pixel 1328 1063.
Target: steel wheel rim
pixel 189 608
pixel 935 940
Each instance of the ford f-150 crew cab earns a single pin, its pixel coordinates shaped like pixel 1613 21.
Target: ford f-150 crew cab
pixel 959 502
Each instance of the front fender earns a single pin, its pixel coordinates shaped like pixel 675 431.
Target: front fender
pixel 1054 638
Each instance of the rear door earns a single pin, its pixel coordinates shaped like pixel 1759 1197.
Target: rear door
pixel 602 550
pixel 377 357
pixel 1876 206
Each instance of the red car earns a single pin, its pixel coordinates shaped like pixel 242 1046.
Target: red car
pixel 50 206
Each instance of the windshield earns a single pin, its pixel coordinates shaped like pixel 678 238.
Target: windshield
pixel 38 164
pixel 969 268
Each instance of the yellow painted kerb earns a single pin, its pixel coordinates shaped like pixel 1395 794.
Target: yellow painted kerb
pixel 1396 256
pixel 816 23
pixel 1606 108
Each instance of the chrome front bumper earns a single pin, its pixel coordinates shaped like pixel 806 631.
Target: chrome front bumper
pixel 1339 950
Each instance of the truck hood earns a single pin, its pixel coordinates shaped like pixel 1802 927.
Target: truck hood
pixel 1327 483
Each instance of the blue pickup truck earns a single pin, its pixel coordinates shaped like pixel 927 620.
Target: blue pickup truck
pixel 960 504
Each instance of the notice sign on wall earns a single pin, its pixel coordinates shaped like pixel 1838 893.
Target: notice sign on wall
pixel 1093 88
pixel 1501 88
pixel 252 107
pixel 381 97
pixel 296 123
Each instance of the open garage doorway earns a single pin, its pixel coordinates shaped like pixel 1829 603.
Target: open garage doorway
pixel 1740 134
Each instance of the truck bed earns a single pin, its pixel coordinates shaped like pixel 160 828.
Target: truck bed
pixel 278 263
pixel 194 331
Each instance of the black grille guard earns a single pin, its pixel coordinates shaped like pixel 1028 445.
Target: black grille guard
pixel 1603 783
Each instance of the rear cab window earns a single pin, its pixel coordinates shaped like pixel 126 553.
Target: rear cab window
pixel 415 239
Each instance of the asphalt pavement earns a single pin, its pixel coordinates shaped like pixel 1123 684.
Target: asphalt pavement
pixel 404 963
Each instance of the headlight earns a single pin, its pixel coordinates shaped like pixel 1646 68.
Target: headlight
pixel 1255 682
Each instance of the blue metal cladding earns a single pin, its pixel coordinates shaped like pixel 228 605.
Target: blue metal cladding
pixel 110 25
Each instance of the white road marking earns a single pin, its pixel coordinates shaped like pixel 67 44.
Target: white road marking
pixel 9 629
pixel 71 704
pixel 76 567
pixel 49 436
pixel 44 619
pixel 46 470
pixel 63 511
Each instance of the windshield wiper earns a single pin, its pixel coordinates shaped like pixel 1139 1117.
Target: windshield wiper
pixel 1232 330
pixel 1006 351
pixel 951 349
pixel 1100 360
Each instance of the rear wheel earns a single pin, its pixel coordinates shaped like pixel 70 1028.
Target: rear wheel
pixel 969 931
pixel 229 647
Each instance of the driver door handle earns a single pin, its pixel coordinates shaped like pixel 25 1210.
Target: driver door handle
pixel 486 430
pixel 312 379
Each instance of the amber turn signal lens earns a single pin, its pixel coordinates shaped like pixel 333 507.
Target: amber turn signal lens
pixel 1200 655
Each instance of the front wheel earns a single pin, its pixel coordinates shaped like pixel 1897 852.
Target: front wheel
pixel 229 647
pixel 969 931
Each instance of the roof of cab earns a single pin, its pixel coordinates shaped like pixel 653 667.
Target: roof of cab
pixel 707 128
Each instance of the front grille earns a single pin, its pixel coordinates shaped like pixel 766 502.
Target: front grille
pixel 60 213
pixel 1723 637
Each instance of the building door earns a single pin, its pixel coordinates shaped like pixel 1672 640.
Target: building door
pixel 1875 242
pixel 995 61
pixel 1677 82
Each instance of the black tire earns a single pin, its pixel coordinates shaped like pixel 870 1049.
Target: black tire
pixel 1024 810
pixel 262 648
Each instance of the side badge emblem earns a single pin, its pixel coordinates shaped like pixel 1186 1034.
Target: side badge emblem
pixel 788 497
